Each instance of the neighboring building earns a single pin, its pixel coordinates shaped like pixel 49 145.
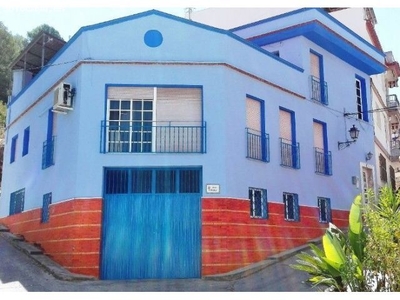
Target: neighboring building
pixel 152 146
pixel 385 105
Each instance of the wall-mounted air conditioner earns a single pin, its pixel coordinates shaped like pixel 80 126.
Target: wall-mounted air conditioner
pixel 63 98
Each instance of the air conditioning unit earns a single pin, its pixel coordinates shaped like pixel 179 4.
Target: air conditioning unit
pixel 63 98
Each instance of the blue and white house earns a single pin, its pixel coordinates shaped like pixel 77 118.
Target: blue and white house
pixel 152 146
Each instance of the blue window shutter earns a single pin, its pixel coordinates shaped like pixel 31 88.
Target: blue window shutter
pixel 25 148
pixel 50 121
pixel 264 205
pixel 45 209
pixel 13 148
pixel 296 207
pixel 328 210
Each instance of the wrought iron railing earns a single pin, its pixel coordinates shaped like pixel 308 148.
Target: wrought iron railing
pixel 323 161
pixel 48 153
pixel 257 145
pixel 290 154
pixel 152 137
pixel 319 92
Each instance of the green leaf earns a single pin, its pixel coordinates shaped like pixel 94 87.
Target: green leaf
pixel 333 250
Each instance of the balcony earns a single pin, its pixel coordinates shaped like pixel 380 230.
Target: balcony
pixel 257 145
pixel 152 137
pixel 319 92
pixel 323 161
pixel 392 101
pixel 290 154
pixel 395 150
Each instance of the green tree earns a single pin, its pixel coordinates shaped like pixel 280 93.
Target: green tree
pixel 9 49
pixel 31 35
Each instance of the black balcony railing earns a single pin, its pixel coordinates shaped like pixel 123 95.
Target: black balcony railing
pixel 319 91
pixel 152 137
pixel 290 154
pixel 257 145
pixel 323 161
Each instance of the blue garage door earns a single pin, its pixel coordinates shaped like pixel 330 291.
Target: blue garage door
pixel 151 224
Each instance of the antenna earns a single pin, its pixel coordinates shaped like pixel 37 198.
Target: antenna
pixel 188 12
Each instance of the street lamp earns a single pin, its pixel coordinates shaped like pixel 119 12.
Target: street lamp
pixel 353 135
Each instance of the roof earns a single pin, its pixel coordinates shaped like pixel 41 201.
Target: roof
pixel 38 53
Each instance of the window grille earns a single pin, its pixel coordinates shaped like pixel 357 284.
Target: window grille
pixel 258 203
pixel 291 207
pixel 17 200
pixel 46 207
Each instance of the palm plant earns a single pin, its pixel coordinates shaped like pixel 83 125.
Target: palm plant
pixel 338 265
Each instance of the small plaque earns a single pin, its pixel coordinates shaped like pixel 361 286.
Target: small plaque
pixel 212 188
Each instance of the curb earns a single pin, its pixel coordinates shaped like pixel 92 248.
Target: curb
pixel 257 267
pixel 40 258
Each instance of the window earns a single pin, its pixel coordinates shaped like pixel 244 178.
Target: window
pixel 290 149
pixel 49 143
pixel 382 168
pixel 323 157
pixel 392 178
pixel 325 213
pixel 319 88
pixel 291 207
pixel 153 181
pixel 361 99
pixel 17 200
pixel 258 203
pixel 25 147
pixel 13 148
pixel 46 208
pixel 153 119
pixel 257 139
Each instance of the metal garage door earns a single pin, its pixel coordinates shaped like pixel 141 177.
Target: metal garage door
pixel 151 224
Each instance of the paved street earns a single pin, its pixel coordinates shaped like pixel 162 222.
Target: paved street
pixel 19 272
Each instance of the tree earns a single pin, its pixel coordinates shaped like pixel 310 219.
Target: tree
pixel 31 35
pixel 9 49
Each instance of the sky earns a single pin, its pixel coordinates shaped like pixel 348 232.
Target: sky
pixel 67 17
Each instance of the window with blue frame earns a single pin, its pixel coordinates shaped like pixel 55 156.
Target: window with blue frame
pixel 291 207
pixel 258 203
pixel 17 201
pixel 361 98
pixel 290 148
pixel 257 139
pixel 134 125
pixel 325 212
pixel 46 208
pixel 323 157
pixel 319 88
pixel 25 146
pixel 14 141
pixel 49 143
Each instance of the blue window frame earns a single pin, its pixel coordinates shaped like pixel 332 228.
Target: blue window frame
pixel 319 88
pixel 258 203
pixel 291 207
pixel 46 207
pixel 49 143
pixel 17 200
pixel 13 148
pixel 325 212
pixel 323 157
pixel 361 98
pixel 290 148
pixel 25 146
pixel 257 138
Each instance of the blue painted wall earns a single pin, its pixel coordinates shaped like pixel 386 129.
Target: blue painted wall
pixel 227 68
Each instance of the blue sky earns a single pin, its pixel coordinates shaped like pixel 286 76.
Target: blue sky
pixel 69 16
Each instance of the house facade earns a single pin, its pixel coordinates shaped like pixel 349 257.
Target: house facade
pixel 152 146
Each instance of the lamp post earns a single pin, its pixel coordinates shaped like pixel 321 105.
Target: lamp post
pixel 354 132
